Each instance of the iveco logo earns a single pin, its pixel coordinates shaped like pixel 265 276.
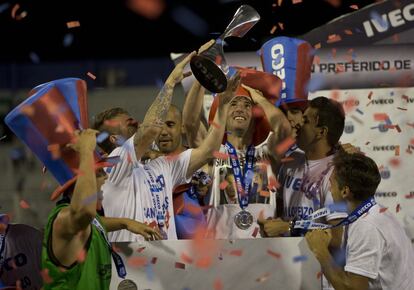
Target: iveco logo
pixel 349 128
pixel 383 101
pixel 278 65
pixel 386 194
pixel 395 17
pixel 385 173
pixel 384 148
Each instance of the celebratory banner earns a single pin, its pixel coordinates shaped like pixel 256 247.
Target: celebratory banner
pixel 381 123
pixel 270 263
pixel 365 26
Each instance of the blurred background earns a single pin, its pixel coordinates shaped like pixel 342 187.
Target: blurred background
pixel 126 45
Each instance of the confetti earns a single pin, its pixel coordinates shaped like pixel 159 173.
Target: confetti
pixel 68 40
pixel 381 117
pixel 137 261
pixel 410 195
pixel 274 254
pixel 223 184
pixel 220 155
pixel 72 24
pixel 151 9
pixel 255 232
pixel 281 25
pixel 186 259
pixel 4 137
pixel 356 119
pixel 319 275
pixel 81 256
pixel 395 162
pixel 405 98
pixel 367 142
pixel 263 278
pixel 218 285
pixel 397 150
pixel 383 209
pixel 301 258
pixel 154 260
pixel 359 111
pixel 403 109
pixel 317 46
pixel 398 208
pixel 354 6
pixel 285 145
pixel 348 32
pixel 411 124
pixel 398 128
pixel 102 137
pixel 179 265
pixel 334 38
pixel 91 75
pixel 24 204
pixel 204 262
pixel 45 276
pixel 139 250
pixel 273 29
pixel 264 193
pixel 14 11
pixel 273 183
pixel 237 253
pixel 370 95
pixel 287 159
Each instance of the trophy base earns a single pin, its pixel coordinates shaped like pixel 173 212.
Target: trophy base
pixel 209 74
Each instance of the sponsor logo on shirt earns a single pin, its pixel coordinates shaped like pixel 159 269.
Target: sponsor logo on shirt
pixel 104 271
pixel 298 211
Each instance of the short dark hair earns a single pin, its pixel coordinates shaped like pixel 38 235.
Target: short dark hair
pixel 100 125
pixel 330 114
pixel 358 172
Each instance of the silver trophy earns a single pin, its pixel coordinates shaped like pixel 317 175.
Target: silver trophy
pixel 210 67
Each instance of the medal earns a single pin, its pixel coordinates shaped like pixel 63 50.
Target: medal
pixel 127 285
pixel 243 220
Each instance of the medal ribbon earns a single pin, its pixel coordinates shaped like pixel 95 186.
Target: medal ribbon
pixel 243 182
pixel 119 264
pixel 353 216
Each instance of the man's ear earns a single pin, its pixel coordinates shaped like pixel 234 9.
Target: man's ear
pixel 347 193
pixel 323 132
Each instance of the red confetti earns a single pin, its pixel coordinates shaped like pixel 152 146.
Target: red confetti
pixel 264 193
pixel 72 24
pixel 273 29
pixel 218 285
pixel 410 195
pixel 334 38
pixel 24 204
pixel 380 117
pixel 403 109
pixel 398 128
pixel 137 262
pixel 317 46
pixel 274 254
pixel 383 209
pixel 151 9
pixel 237 253
pixel 370 95
pixel 285 145
pixel 354 6
pixel 81 256
pixel 186 259
pixel 255 232
pixel 220 155
pixel 45 276
pixel 395 162
pixel 204 262
pixel 348 32
pixel 91 75
pixel 412 141
pixel 397 150
pixel 223 184
pixel 139 250
pixel 54 149
pixel 215 125
pixel 367 143
pixel 319 275
pixel 405 98
pixel 398 208
pixel 281 25
pixel 296 1
pixel 179 265
pixel 154 260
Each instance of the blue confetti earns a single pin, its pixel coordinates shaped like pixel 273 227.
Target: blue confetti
pixel 149 271
pixel 102 137
pixel 190 21
pixel 359 111
pixel 383 23
pixel 68 40
pixel 298 259
pixel 34 57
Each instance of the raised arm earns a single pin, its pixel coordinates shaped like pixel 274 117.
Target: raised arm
pixel 201 155
pixel 154 119
pixel 194 129
pixel 79 214
pixel 278 122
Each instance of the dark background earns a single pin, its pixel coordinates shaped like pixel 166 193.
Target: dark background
pixel 125 29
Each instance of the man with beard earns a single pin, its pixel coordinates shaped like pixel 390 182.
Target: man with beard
pixel 304 181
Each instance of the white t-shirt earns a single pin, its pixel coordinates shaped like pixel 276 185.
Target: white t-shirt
pixel 301 200
pixel 21 256
pixel 118 189
pixel 225 204
pixel 128 195
pixel 378 248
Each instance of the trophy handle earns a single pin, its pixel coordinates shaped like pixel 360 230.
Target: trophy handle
pixel 243 20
